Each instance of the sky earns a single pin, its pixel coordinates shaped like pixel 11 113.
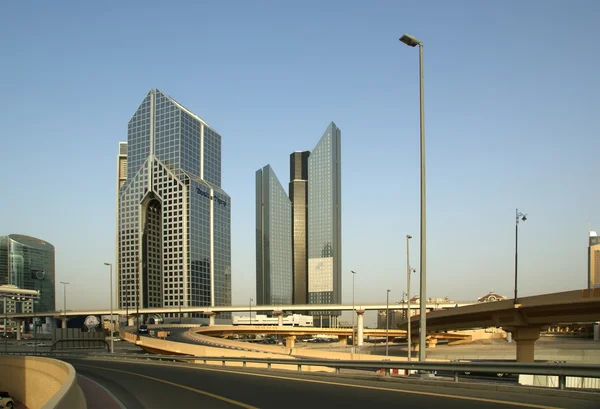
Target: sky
pixel 511 112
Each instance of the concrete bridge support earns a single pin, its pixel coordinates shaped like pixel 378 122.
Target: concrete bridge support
pixel 290 341
pixel 211 318
pixel 279 315
pixel 63 322
pixel 525 338
pixel 360 327
pixel 343 339
pixel 431 342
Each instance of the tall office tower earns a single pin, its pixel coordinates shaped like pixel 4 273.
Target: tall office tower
pixel 121 166
pixel 325 223
pixel 28 263
pixel 174 230
pixel 274 277
pixel 594 261
pixel 299 197
pixel 121 178
pixel 315 225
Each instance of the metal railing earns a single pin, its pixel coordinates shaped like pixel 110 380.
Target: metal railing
pixel 561 370
pixel 77 343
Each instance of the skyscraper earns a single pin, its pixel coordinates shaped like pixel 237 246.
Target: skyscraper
pixel 299 197
pixel 274 279
pixel 28 263
pixel 315 193
pixel 174 233
pixel 324 220
pixel 594 260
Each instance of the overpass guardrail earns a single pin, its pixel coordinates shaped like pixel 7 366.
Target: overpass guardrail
pixel 560 370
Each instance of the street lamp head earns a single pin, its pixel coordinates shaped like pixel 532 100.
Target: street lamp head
pixel 353 272
pixel 408 236
pixel 524 217
pixel 410 40
pixel 107 264
pixel 388 291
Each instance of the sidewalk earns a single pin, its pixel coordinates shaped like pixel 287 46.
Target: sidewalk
pixel 96 396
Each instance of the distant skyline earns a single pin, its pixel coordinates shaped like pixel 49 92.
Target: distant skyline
pixel 511 113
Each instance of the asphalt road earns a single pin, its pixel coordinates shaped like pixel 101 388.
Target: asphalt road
pixel 139 385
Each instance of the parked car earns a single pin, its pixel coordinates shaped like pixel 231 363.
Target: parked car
pixel 143 329
pixel 6 401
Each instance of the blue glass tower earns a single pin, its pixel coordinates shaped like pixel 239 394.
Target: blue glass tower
pixel 314 227
pixel 274 278
pixel 173 227
pixel 325 221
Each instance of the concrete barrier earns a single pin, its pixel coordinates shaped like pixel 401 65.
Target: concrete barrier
pixel 41 383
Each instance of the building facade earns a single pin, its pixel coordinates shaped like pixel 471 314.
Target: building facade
pixel 315 234
pixel 28 263
pixel 173 222
pixel 594 260
pixel 274 278
pixel 298 189
pixel 324 220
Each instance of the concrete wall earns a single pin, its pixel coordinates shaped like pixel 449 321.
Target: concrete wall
pixel 41 383
pixel 250 350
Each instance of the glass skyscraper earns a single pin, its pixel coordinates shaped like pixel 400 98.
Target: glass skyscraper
pixel 274 278
pixel 28 263
pixel 174 220
pixel 315 221
pixel 325 221
pixel 299 197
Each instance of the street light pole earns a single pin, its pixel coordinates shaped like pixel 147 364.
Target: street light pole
pixel 353 309
pixel 387 323
pixel 137 300
pixel 250 309
pixel 412 42
pixel 112 346
pixel 128 282
pixel 5 323
pixel 519 217
pixel 408 311
pixel 65 283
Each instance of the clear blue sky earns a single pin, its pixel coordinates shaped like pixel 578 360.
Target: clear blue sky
pixel 511 108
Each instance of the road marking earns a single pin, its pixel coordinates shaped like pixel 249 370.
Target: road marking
pixel 211 395
pixel 377 388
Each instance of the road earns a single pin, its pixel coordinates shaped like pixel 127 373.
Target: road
pixel 145 386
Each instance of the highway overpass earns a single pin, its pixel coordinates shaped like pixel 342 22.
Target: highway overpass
pixel 524 320
pixel 289 308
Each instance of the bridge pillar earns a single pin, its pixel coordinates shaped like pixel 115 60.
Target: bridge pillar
pixel 279 315
pixel 431 343
pixel 596 331
pixel 63 322
pixel 211 318
pixel 19 322
pixel 360 327
pixel 290 341
pixel 525 338
pixel 343 339
pixel 130 322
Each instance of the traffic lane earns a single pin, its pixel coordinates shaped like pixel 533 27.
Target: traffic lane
pixel 139 392
pixel 277 389
pixel 476 376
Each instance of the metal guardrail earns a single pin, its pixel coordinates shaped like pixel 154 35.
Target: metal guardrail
pixel 561 370
pixel 86 343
